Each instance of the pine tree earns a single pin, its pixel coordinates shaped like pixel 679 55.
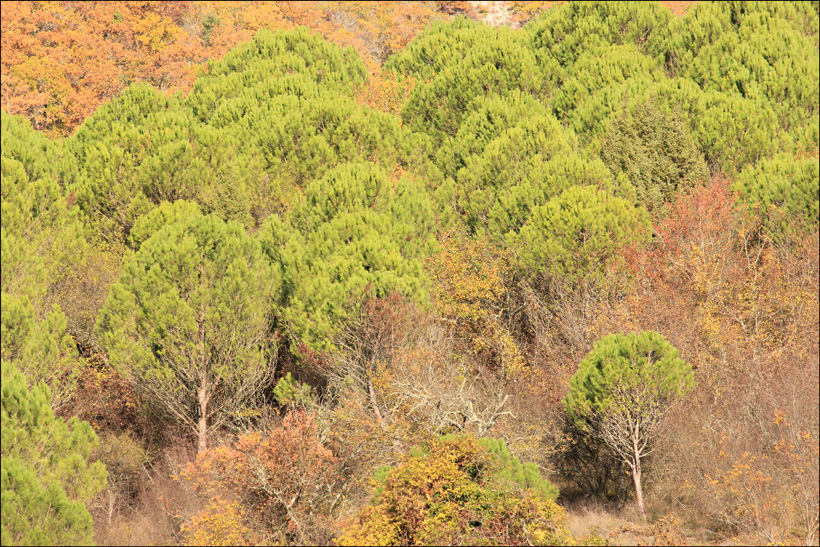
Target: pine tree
pixel 41 237
pixel 597 85
pixel 189 321
pixel 572 29
pixel 46 478
pixel 623 391
pixel 784 191
pixel 578 234
pixel 353 236
pixel 459 62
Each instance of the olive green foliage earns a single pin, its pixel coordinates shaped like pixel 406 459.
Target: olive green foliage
pixel 456 63
pixel 656 152
pixel 577 235
pixel 354 235
pixel 453 493
pixel 575 28
pixel 784 191
pixel 275 63
pixel 189 319
pixel 166 213
pixel 46 479
pixel 41 236
pixel 526 474
pixel 143 148
pixel 623 364
pixel 289 391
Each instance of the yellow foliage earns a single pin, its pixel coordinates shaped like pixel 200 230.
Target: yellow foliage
pixel 220 523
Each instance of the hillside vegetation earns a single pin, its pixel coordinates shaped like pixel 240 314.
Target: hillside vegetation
pixel 384 274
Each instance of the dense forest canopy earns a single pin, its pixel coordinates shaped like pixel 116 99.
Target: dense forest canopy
pixel 404 273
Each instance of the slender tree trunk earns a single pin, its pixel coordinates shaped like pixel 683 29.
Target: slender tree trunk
pixel 202 423
pixel 636 476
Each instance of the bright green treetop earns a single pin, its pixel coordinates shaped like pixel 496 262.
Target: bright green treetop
pixel 784 190
pixel 458 62
pixel 568 31
pixel 620 362
pixel 577 234
pixel 277 61
pixel 41 237
pixel 46 479
pixel 353 236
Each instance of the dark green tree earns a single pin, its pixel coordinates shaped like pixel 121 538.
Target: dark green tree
pixel 656 153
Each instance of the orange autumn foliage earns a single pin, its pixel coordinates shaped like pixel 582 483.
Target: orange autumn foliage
pixel 284 481
pixel 62 60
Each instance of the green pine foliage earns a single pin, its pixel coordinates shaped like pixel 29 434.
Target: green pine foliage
pixel 457 63
pixel 519 155
pixel 289 391
pixel 276 63
pixel 166 213
pixel 644 365
pixel 189 321
pixel 510 468
pixel 577 235
pixel 491 116
pixel 765 53
pixel 143 148
pixel 572 29
pixel 353 236
pixel 656 152
pixel 622 393
pixel 41 237
pixel 599 82
pixel 46 478
pixel 784 192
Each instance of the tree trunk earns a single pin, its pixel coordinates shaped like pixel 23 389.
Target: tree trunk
pixel 636 476
pixel 202 423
